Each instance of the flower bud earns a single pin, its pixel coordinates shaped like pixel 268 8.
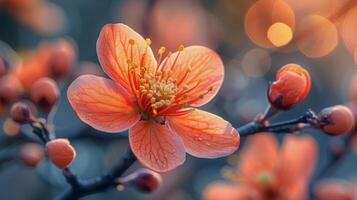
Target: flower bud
pixel 142 179
pixel 44 93
pixel 31 154
pixel 11 128
pixel 62 58
pixel 336 120
pixel 61 152
pixel 20 113
pixel 333 190
pixel 292 85
pixel 10 89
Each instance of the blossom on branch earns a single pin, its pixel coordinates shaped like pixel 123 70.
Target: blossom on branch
pixel 151 98
pixel 266 172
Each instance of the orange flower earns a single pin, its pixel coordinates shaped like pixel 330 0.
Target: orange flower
pixel 150 99
pixel 292 85
pixel 265 172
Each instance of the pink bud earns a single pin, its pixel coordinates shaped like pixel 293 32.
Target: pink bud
pixel 336 120
pixel 62 58
pixel 143 179
pixel 31 154
pixel 60 152
pixel 20 113
pixel 44 93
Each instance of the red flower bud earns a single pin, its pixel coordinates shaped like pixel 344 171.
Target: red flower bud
pixel 31 154
pixel 61 152
pixel 336 120
pixel 20 113
pixel 44 93
pixel 292 85
pixel 11 128
pixel 142 179
pixel 62 58
pixel 10 89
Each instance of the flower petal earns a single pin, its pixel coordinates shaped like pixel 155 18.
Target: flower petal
pixel 102 103
pixel 260 154
pixel 297 190
pixel 224 191
pixel 199 68
pixel 156 147
pixel 114 52
pixel 204 134
pixel 298 158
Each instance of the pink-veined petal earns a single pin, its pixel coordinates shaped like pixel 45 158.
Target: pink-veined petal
pixel 102 103
pixel 204 134
pixel 155 146
pixel 114 52
pixel 199 68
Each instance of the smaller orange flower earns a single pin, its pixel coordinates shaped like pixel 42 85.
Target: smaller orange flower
pixel 339 120
pixel 60 152
pixel 292 85
pixel 265 172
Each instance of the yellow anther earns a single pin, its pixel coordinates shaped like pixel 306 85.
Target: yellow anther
pixel 161 50
pixel 148 41
pixel 152 100
pixel 181 48
pixel 131 41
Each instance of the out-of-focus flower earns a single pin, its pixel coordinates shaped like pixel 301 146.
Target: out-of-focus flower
pixel 150 99
pixel 61 152
pixel 334 190
pixel 31 154
pixel 266 21
pixel 41 16
pixel 44 93
pixel 338 120
pixel 292 85
pixel 143 180
pixel 50 59
pixel 265 172
pixel 20 113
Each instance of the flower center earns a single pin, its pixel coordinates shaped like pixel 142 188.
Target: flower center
pixel 157 91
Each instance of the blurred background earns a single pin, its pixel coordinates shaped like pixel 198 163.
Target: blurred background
pixel 57 39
